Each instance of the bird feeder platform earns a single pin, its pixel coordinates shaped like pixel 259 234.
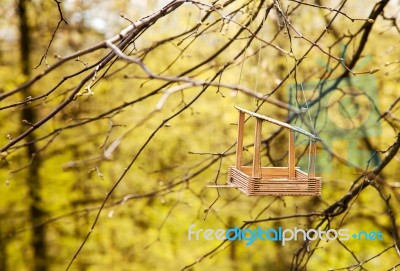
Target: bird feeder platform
pixel 256 180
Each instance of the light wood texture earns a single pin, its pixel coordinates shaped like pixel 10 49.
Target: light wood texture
pixel 276 186
pixel 257 150
pixel 280 123
pixel 312 155
pixel 291 155
pixel 239 144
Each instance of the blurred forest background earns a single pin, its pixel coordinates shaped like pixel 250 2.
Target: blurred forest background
pixel 116 115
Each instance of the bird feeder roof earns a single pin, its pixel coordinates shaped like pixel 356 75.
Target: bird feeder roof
pixel 280 123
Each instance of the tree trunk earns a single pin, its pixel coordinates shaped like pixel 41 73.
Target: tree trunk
pixel 3 248
pixel 38 239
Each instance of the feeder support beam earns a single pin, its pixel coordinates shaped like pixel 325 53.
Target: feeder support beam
pixel 257 150
pixel 292 156
pixel 312 154
pixel 239 144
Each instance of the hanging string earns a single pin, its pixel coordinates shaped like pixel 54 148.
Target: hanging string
pixel 244 57
pixel 241 68
pixel 295 76
pixel 259 57
pixel 260 50
pixel 311 153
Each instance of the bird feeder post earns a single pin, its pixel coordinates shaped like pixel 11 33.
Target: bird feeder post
pixel 239 144
pixel 312 155
pixel 292 156
pixel 257 150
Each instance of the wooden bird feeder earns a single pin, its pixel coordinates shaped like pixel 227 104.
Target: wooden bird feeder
pixel 256 180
